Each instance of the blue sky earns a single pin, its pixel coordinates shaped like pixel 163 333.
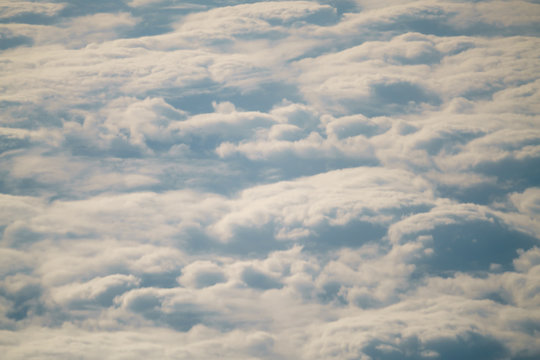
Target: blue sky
pixel 348 179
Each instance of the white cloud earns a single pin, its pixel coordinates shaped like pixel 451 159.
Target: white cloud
pixel 311 201
pixel 116 215
pixel 527 260
pixel 201 274
pixel 270 180
pixel 446 213
pixel 99 289
pixel 78 270
pixel 137 3
pixel 14 261
pixel 239 18
pixel 15 208
pixel 527 202
pixel 13 8
pixel 502 13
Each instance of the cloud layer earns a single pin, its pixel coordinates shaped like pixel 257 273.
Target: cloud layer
pixel 269 179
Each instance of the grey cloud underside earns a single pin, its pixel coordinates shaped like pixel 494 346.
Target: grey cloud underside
pixel 269 180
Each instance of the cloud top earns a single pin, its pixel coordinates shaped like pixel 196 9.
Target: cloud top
pixel 269 179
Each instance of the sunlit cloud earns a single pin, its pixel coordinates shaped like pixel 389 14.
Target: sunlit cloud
pixel 269 179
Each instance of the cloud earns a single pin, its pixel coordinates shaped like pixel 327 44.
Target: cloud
pixel 202 274
pixel 269 179
pixel 258 280
pixel 13 9
pixel 136 3
pixel 98 290
pixel 237 19
pixel 109 212
pixel 528 201
pixel 307 202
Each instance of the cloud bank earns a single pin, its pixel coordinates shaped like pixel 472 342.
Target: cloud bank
pixel 269 180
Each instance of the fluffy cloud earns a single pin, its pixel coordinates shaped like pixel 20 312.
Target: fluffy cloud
pixel 13 9
pixel 367 195
pixel 269 180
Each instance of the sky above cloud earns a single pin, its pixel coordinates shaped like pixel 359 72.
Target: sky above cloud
pixel 332 179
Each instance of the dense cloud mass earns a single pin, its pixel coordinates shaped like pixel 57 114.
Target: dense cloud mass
pixel 345 179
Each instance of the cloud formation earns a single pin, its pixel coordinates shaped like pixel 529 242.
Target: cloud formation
pixel 269 179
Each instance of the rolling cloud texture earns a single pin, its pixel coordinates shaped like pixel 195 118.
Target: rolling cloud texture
pixel 270 179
